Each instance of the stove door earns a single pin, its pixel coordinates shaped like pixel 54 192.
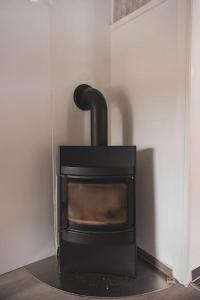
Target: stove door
pixel 96 202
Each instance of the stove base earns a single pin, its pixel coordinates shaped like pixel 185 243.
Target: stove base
pixel 119 260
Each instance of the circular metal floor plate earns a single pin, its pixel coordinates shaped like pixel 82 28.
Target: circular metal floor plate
pixel 99 285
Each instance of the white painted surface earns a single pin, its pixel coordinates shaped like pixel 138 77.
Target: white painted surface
pixel 26 220
pixel 148 69
pixel 81 54
pixel 45 52
pixel 194 178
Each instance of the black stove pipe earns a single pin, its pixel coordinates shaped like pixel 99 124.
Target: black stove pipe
pixel 88 98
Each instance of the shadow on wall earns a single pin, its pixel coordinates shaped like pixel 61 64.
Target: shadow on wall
pixel 121 118
pixel 145 201
pixel 122 133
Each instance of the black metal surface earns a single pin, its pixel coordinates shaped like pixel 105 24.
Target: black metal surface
pixel 98 157
pixel 97 228
pixel 117 171
pixel 115 259
pixel 79 101
pixel 119 237
pixel 88 98
pixel 87 249
pixel 101 285
pixel 99 249
pixel 98 284
pixel 93 248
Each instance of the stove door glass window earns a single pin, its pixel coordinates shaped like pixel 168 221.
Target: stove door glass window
pixel 97 203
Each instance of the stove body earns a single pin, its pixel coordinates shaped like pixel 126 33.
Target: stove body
pixel 97 232
pixel 97 209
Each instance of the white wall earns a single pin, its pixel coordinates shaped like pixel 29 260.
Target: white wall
pixel 26 221
pixel 148 69
pixel 194 179
pixel 45 52
pixel 81 54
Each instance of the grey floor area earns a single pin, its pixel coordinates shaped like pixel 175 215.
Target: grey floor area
pixel 22 285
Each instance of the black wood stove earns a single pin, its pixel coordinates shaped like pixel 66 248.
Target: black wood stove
pixel 97 199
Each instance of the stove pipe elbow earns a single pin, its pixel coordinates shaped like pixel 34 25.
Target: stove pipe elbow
pixel 88 98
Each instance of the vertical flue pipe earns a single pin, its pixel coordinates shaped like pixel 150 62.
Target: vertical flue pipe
pixel 88 98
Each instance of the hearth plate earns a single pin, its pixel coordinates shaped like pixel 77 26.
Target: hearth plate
pixel 99 285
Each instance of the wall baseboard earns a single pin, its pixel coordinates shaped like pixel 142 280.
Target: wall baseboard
pixel 155 262
pixel 196 274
